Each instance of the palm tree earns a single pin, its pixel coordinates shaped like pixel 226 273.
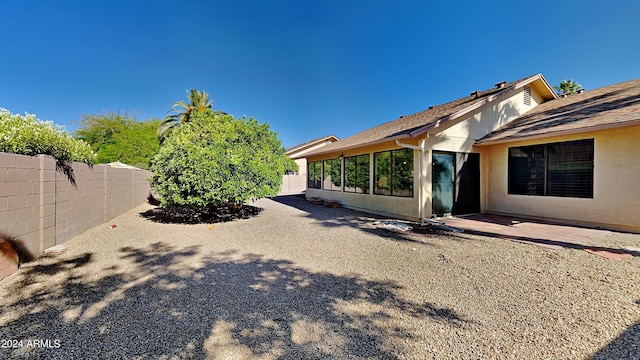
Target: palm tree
pixel 568 87
pixel 198 102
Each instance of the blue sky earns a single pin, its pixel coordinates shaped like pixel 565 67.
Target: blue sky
pixel 308 68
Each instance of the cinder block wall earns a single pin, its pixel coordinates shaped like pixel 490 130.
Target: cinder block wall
pixel 40 207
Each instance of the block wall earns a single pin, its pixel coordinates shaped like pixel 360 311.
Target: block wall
pixel 41 207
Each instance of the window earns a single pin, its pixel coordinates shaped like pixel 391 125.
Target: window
pixel 393 172
pixel 332 179
pixel 314 174
pixel 562 169
pixel 356 174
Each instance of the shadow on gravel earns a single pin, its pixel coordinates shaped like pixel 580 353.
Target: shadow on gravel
pixel 230 305
pixel 625 346
pixel 192 216
pixel 337 217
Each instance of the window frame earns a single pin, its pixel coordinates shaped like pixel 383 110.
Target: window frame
pixel 392 181
pixel 333 164
pixel 552 173
pixel 311 173
pixel 359 167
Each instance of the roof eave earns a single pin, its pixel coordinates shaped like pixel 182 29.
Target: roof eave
pixel 560 133
pixel 355 146
pixel 551 94
pixel 311 144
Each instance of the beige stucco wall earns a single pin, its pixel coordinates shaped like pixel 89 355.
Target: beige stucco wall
pixel 616 199
pixel 297 183
pixel 460 134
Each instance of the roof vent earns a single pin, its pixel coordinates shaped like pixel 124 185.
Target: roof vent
pixel 580 91
pixel 475 93
pixel 500 85
pixel 431 107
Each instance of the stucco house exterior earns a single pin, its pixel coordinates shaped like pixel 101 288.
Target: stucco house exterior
pixel 296 182
pixel 517 148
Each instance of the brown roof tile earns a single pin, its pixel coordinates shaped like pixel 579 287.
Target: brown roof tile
pixel 405 125
pixel 609 106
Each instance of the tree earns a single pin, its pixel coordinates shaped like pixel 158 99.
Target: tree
pixel 567 87
pixel 215 159
pixel 28 135
pixel 198 102
pixel 116 137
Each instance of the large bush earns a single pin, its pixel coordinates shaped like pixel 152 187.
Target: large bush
pixel 27 135
pixel 215 159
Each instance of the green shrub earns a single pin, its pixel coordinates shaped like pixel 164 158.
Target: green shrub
pixel 28 135
pixel 215 159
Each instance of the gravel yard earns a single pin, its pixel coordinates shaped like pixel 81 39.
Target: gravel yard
pixel 303 281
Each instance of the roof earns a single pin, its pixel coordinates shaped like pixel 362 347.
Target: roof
pixel 118 164
pixel 424 121
pixel 311 143
pixel 607 107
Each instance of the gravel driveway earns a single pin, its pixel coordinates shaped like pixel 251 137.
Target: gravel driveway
pixel 302 281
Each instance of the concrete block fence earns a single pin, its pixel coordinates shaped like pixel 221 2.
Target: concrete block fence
pixel 40 207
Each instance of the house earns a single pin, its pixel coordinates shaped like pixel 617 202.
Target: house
pixel 296 182
pixel 517 148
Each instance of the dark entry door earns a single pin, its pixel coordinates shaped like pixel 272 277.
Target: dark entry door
pixel 443 183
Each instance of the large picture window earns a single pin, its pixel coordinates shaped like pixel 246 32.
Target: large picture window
pixel 356 174
pixel 332 179
pixel 562 169
pixel 393 172
pixel 314 174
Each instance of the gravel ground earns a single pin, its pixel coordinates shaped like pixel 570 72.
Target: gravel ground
pixel 303 281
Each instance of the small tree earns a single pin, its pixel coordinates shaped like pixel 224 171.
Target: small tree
pixel 215 159
pixel 198 102
pixel 116 137
pixel 567 87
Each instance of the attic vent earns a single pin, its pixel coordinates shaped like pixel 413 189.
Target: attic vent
pixel 527 95
pixel 500 85
pixel 475 93
pixel 431 107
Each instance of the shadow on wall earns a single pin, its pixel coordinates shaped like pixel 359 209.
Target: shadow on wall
pixel 228 305
pixel 66 169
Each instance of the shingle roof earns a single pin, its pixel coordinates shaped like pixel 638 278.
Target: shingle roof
pixel 610 106
pixel 311 142
pixel 411 125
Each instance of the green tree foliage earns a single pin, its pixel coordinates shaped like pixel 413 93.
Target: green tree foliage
pixel 215 159
pixel 197 102
pixel 116 137
pixel 567 87
pixel 27 135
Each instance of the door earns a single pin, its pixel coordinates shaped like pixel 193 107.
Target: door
pixel 443 183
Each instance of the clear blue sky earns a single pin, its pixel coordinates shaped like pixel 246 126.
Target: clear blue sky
pixel 308 68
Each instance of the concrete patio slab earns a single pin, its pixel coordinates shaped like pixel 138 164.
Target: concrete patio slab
pixel 539 233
